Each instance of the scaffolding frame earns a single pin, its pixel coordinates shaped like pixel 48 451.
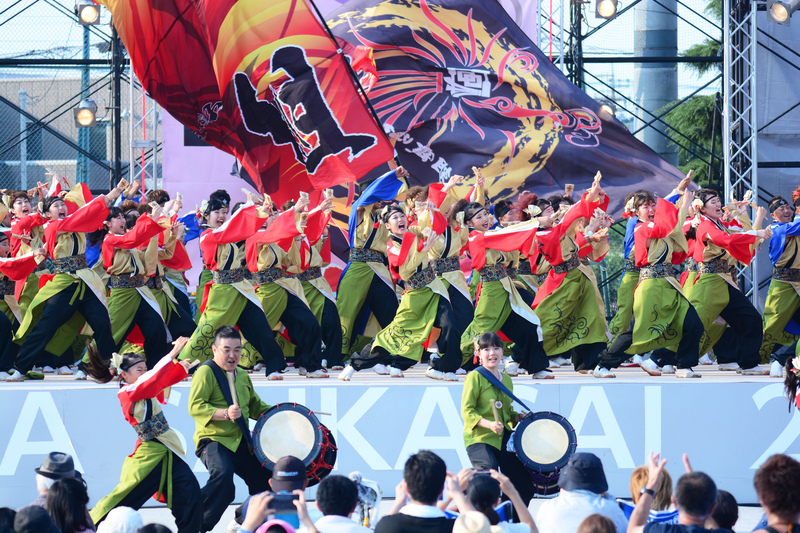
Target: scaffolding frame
pixel 551 34
pixel 739 127
pixel 144 133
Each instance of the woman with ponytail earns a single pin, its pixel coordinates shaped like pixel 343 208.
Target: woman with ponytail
pixel 484 491
pixel 722 241
pixel 158 464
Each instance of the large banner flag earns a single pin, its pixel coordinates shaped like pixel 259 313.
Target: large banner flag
pixel 261 80
pixel 460 85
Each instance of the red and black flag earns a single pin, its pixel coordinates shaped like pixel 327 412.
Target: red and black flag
pixel 261 80
pixel 460 85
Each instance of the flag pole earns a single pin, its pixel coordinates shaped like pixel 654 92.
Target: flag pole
pixel 349 67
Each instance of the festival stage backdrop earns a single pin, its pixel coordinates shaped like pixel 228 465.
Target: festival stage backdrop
pixel 261 81
pixel 460 85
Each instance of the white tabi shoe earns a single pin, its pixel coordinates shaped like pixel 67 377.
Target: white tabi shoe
pixel 775 370
pixel 380 369
pixel 4 376
pixel 64 371
pixel 686 373
pixel 542 374
pixel 601 372
pixel 347 373
pixel 650 366
pixel 755 371
pixel 730 367
pixel 706 360
pixel 512 368
pixel 434 374
pixel 16 376
pixel 48 370
pixel 275 376
pixel 301 371
pixel 449 376
pixel 317 374
pixel 667 369
pixel 461 372
pixel 79 375
pixel 396 372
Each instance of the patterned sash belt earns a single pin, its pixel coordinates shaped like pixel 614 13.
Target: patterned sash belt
pixel 786 274
pixel 311 273
pixel 228 277
pixel 524 268
pixel 446 264
pixel 155 282
pixel 126 282
pixel 153 428
pixel 661 270
pixel 366 256
pixel 41 266
pixel 566 266
pixel 630 266
pixel 715 266
pixel 420 279
pixel 512 273
pixel 69 264
pixel 262 277
pixel 541 277
pixel 7 286
pixel 691 264
pixel 493 273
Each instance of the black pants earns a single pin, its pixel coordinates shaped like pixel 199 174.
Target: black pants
pixel 183 299
pixel 686 356
pixel 154 333
pixel 186 503
pixel 381 301
pixel 463 309
pixel 58 309
pixel 449 340
pixel 304 331
pixel 9 349
pixel 484 457
pixel 222 464
pixel 181 323
pixel 528 350
pixel 746 325
pixel 331 328
pixel 256 329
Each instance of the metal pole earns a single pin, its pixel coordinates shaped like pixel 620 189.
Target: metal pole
pixel 82 170
pixel 23 145
pixel 118 65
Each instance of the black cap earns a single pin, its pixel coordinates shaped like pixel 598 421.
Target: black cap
pixel 289 474
pixel 584 471
pixel 58 465
pixel 34 519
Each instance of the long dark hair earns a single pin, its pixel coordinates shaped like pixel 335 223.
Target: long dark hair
pixel 66 504
pixel 791 382
pixel 99 369
pixel 483 492
pixel 97 236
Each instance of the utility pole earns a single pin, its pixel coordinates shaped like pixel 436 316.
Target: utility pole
pixel 117 69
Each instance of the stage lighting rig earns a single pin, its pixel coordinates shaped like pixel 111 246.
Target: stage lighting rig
pixel 780 11
pixel 606 9
pixel 88 13
pixel 85 114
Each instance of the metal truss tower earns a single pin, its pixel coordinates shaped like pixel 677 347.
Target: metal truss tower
pixel 739 130
pixel 144 135
pixel 551 34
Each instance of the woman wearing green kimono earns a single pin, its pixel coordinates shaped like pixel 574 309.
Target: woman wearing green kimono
pixel 663 317
pixel 158 465
pixel 214 212
pixel 423 306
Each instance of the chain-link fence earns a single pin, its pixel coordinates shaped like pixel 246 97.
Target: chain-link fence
pixel 48 66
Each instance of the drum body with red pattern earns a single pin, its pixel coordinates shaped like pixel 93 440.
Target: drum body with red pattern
pixel 293 429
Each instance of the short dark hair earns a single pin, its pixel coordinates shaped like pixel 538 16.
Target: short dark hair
pixel 488 340
pixel 597 523
pixel 695 494
pixel 49 201
pixel 154 528
pixel 502 208
pixel 777 484
pixel 226 332
pixel 726 512
pixel 391 210
pixel 425 473
pixel 337 495
pixel 7 517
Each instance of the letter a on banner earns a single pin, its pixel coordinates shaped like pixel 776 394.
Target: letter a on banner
pixel 612 438
pixel 19 444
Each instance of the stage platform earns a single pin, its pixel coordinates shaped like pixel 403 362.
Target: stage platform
pixel 729 424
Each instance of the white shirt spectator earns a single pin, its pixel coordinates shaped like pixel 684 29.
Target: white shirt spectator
pixel 566 512
pixel 339 524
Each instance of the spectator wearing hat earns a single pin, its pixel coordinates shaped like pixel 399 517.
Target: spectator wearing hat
pixel 56 465
pixel 584 491
pixel 695 497
pixel 34 519
pixel 415 509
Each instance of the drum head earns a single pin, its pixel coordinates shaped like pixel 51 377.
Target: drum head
pixel 544 442
pixel 287 429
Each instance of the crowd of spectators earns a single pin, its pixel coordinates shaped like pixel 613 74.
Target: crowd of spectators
pixel 429 498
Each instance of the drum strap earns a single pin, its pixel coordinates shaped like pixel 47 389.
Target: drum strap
pixel 499 384
pixel 222 381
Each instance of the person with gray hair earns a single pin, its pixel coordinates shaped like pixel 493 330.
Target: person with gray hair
pixel 56 465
